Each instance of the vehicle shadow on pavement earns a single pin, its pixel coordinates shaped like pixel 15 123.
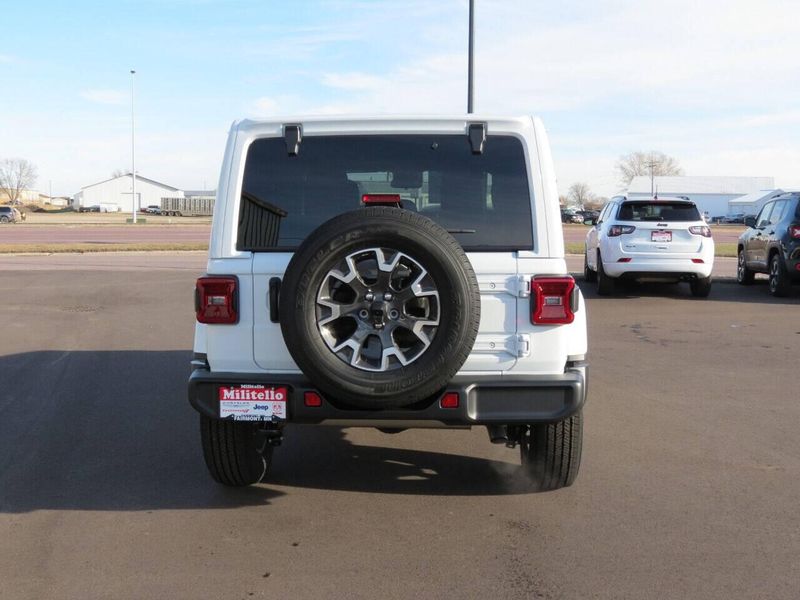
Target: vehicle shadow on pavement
pixel 322 458
pixel 722 291
pixel 104 431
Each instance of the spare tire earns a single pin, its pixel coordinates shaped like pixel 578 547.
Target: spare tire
pixel 379 307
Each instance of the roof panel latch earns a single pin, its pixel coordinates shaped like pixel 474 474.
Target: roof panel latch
pixel 477 137
pixel 293 134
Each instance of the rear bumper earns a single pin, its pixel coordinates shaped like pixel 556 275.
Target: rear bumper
pixel 512 399
pixel 659 268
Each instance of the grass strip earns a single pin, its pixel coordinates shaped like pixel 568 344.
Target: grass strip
pixel 82 248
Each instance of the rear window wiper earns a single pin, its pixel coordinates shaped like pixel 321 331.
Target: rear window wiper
pixel 461 231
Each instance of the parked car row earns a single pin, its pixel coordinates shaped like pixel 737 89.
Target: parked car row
pixel 569 215
pixel 667 239
pixel 732 219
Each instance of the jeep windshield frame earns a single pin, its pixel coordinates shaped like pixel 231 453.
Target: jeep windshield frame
pixel 483 200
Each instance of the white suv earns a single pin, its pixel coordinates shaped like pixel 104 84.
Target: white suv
pixel 389 273
pixel 652 239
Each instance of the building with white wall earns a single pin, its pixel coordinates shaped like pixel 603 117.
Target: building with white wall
pixel 711 194
pixel 116 194
pixel 752 203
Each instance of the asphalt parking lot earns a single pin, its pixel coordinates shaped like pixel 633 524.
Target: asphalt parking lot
pixel 688 488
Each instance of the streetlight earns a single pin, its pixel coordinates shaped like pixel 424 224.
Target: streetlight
pixel 133 145
pixel 470 52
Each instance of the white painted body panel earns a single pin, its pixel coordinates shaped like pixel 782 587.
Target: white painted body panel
pixel 507 341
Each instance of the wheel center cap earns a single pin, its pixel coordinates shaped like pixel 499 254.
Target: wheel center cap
pixel 377 313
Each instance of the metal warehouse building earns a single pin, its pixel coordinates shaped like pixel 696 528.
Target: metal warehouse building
pixel 116 194
pixel 711 194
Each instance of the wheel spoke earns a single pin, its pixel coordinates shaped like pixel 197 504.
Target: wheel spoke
pixel 390 299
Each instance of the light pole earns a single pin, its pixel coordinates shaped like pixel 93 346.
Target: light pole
pixel 133 145
pixel 470 52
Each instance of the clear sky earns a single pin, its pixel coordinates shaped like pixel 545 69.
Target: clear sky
pixel 714 83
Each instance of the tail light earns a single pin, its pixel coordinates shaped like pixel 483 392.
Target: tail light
pixel 703 230
pixel 794 231
pixel 381 200
pixel 617 230
pixel 553 300
pixel 216 300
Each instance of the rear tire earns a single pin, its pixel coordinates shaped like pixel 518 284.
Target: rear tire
pixel 743 275
pixel 779 284
pixel 3 219
pixel 605 284
pixel 236 452
pixel 589 275
pixel 700 287
pixel 551 452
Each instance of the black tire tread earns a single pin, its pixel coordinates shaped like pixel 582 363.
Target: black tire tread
pixel 700 287
pixel 783 286
pixel 588 274
pixel 749 276
pixel 231 453
pixel 551 453
pixel 605 285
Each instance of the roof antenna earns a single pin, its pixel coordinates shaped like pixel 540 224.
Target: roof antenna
pixel 655 196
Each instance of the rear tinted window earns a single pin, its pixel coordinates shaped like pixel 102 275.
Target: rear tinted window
pixel 482 199
pixel 658 211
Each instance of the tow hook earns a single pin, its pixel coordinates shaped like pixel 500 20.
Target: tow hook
pixel 273 436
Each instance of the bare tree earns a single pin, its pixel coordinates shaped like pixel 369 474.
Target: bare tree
pixel 16 175
pixel 579 193
pixel 596 203
pixel 651 163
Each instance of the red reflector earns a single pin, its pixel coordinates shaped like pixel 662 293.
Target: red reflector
pixel 794 231
pixel 215 300
pixel 449 400
pixel 312 399
pixel 551 300
pixel 381 199
pixel 624 260
pixel 698 261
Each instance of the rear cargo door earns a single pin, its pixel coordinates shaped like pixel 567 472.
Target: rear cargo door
pixel 497 345
pixel 269 350
pixel 661 237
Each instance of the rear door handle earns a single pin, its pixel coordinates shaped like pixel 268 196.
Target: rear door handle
pixel 274 297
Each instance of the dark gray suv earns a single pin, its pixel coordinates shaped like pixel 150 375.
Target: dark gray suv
pixel 771 244
pixel 9 214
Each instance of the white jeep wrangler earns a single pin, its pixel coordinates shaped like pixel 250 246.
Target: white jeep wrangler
pixel 389 273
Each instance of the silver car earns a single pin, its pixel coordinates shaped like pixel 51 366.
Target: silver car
pixel 9 214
